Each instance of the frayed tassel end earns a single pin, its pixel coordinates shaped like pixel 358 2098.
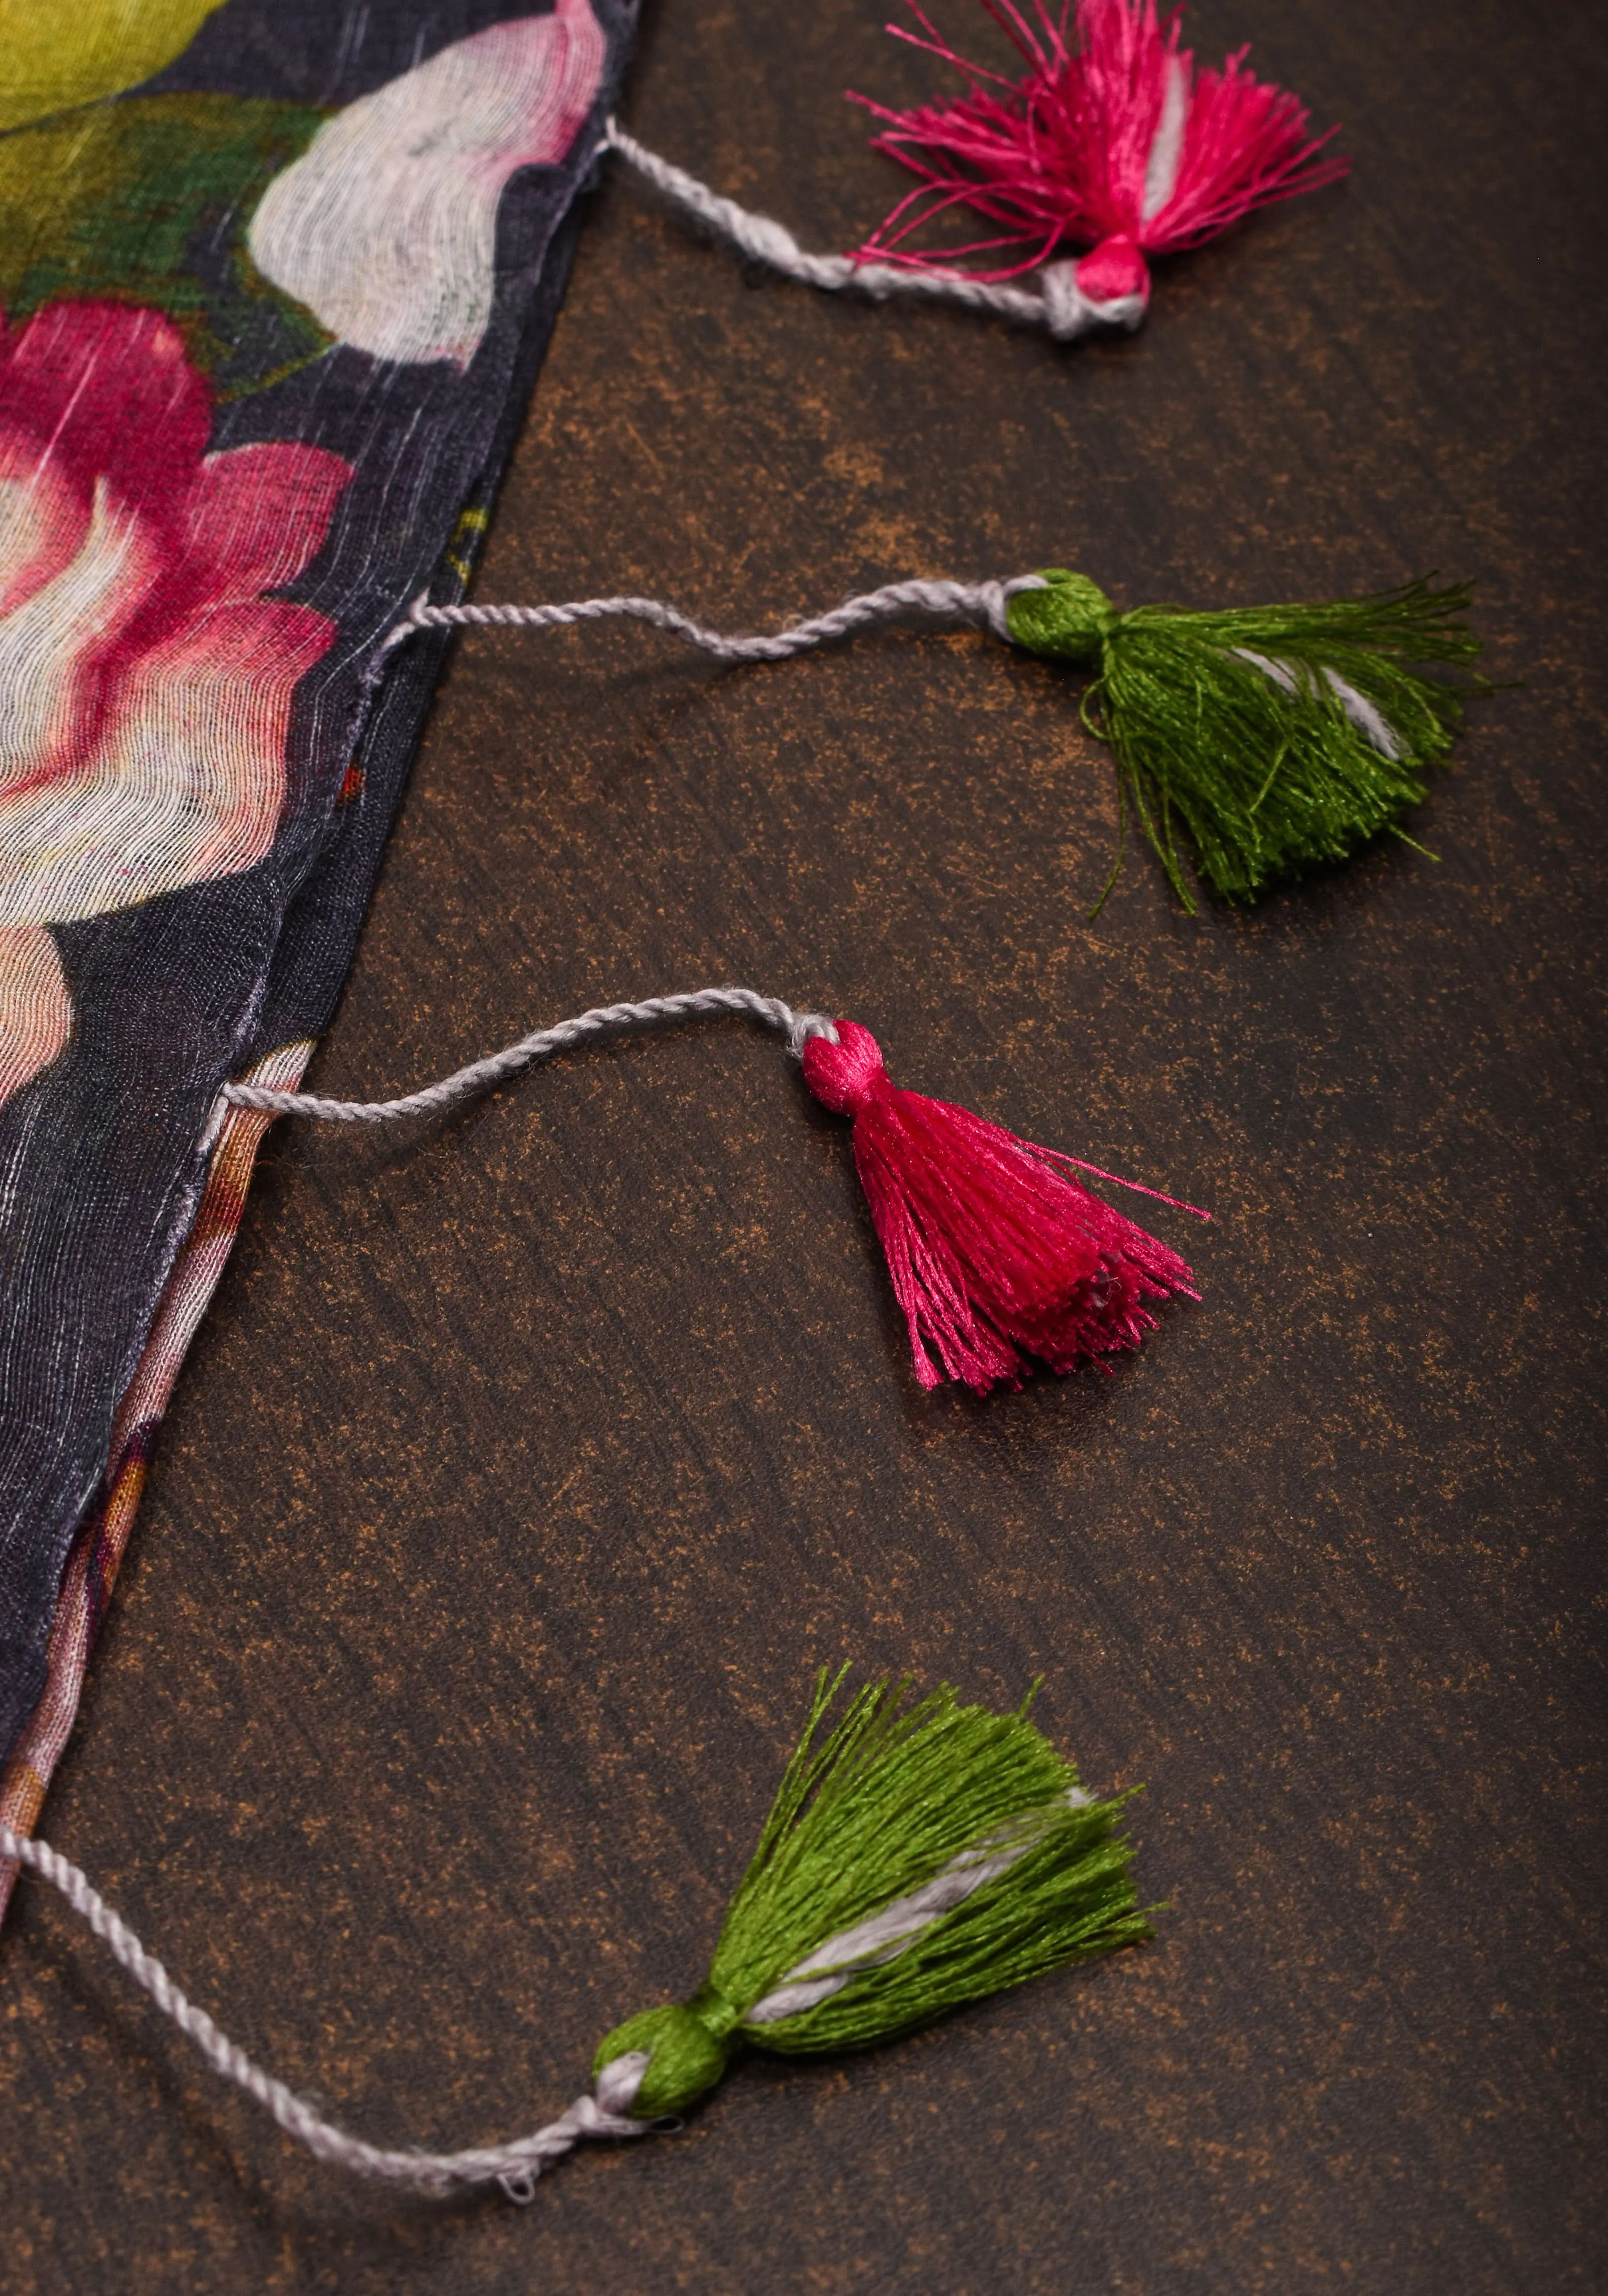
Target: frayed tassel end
pixel 998 1255
pixel 1108 141
pixel 917 1857
pixel 1263 740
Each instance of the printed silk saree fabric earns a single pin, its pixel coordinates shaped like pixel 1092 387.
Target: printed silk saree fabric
pixel 276 277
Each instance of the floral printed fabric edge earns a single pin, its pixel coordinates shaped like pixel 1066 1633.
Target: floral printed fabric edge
pixel 200 549
pixel 98 1550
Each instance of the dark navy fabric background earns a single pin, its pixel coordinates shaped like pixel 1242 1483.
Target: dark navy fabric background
pixel 101 1166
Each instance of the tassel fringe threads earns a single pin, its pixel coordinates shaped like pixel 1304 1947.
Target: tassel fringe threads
pixel 1110 141
pixel 998 1255
pixel 917 1857
pixel 1276 738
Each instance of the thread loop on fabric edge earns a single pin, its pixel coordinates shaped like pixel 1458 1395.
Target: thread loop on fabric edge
pixel 798 1028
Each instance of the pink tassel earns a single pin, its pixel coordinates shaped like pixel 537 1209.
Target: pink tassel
pixel 998 1256
pixel 1108 141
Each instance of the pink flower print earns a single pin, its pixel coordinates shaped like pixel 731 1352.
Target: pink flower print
pixel 386 226
pixel 145 682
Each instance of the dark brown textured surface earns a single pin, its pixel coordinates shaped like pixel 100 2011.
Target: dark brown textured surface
pixel 526 1466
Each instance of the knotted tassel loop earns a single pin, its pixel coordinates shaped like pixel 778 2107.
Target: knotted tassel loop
pixel 918 1856
pixel 998 1255
pixel 1275 738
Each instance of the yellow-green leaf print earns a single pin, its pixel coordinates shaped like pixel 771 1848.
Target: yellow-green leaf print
pixel 57 53
pixel 147 202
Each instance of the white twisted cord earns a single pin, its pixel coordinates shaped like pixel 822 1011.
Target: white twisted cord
pixel 601 2113
pixel 1058 304
pixel 949 602
pixel 797 1028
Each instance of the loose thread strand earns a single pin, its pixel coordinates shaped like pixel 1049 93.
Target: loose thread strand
pixel 1056 303
pixel 601 2112
pixel 480 1076
pixel 983 602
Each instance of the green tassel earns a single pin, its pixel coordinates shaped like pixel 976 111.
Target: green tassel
pixel 921 1856
pixel 1275 737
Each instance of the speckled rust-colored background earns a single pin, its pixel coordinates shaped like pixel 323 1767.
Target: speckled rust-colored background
pixel 527 1464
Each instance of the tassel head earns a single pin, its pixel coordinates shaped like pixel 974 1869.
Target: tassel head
pixel 1066 616
pixel 916 1856
pixel 688 2045
pixel 1114 272
pixel 846 1075
pixel 997 1253
pixel 1262 742
pixel 1109 140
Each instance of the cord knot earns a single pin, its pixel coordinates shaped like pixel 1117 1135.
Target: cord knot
pixel 1066 308
pixel 687 2045
pixel 843 1077
pixel 714 2012
pixel 1114 270
pixel 1067 616
pixel 1109 287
